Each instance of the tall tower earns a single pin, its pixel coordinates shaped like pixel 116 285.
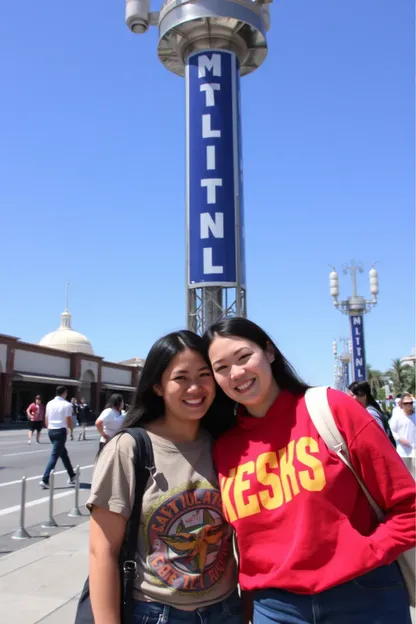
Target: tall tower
pixel 342 363
pixel 355 307
pixel 211 44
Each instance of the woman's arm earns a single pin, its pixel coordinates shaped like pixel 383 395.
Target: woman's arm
pixel 106 535
pixel 100 428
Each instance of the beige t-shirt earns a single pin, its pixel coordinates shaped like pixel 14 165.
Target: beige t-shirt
pixel 185 554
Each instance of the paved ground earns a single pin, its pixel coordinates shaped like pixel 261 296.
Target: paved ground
pixel 17 459
pixel 41 583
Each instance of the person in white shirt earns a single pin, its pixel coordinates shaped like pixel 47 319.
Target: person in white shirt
pixel 397 409
pixel 110 421
pixel 403 426
pixel 58 418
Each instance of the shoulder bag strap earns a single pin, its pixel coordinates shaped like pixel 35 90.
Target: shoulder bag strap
pixel 321 415
pixel 144 463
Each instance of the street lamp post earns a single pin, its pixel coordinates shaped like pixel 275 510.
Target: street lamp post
pixel 342 363
pixel 355 307
pixel 211 44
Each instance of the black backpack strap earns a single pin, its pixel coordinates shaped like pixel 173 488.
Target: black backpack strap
pixel 144 463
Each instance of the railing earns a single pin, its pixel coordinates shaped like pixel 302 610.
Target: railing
pixel 21 532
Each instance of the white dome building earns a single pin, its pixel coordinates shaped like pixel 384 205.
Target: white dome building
pixel 66 339
pixel 410 360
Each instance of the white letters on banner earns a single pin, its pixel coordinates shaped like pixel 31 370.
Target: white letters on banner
pixel 213 64
pixel 216 226
pixel 210 226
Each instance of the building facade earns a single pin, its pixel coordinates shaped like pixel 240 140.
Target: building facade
pixel 63 357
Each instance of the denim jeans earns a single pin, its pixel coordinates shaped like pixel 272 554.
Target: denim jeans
pixel 58 439
pixel 378 597
pixel 229 611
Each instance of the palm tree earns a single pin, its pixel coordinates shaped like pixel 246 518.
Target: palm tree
pixel 376 379
pixel 410 379
pixel 398 376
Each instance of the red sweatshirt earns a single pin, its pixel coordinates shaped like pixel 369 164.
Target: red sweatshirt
pixel 302 521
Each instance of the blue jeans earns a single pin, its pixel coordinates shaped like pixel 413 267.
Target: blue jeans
pixel 378 597
pixel 58 439
pixel 229 611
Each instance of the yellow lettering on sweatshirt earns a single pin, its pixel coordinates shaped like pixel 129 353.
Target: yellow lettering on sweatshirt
pixel 272 497
pixel 278 477
pixel 304 449
pixel 242 485
pixel 287 471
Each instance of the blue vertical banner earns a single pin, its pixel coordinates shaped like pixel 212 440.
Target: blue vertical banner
pixel 359 369
pixel 215 255
pixel 239 166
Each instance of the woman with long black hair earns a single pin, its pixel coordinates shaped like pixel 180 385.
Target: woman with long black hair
pixel 311 547
pixel 361 391
pixel 186 571
pixel 111 419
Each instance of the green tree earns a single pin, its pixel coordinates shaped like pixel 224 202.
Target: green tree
pixel 410 379
pixel 376 379
pixel 398 376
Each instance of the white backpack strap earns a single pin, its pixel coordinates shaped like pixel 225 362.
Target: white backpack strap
pixel 321 415
pixel 318 407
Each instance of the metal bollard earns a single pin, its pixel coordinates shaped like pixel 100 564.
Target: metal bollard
pixel 21 532
pixel 75 512
pixel 50 522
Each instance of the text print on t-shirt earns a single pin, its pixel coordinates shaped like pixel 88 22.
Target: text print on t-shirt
pixel 282 474
pixel 186 536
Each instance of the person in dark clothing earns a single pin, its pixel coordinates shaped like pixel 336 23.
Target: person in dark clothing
pixel 361 391
pixel 83 416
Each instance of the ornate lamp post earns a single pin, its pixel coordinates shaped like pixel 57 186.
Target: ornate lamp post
pixel 355 307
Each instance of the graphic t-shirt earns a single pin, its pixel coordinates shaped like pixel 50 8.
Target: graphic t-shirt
pixel 185 554
pixel 303 523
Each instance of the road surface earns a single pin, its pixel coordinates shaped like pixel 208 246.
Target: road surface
pixel 17 459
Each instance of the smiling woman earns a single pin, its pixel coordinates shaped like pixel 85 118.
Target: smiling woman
pixel 248 366
pixel 307 536
pixel 185 561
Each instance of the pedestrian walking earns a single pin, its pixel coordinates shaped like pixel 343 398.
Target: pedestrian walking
pixel 311 546
pixel 83 416
pixel 35 413
pixel 110 421
pixel 58 420
pixel 74 420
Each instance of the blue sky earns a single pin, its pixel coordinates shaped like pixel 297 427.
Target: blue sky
pixel 92 176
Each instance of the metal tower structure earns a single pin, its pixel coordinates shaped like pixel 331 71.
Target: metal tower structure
pixel 342 363
pixel 211 44
pixel 355 307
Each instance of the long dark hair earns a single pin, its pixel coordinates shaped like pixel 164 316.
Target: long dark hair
pixel 362 389
pixel 147 406
pixel 283 372
pixel 115 401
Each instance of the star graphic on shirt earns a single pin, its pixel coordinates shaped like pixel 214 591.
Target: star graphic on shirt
pixel 198 543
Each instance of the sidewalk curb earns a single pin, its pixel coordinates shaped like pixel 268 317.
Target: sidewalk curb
pixel 30 553
pixel 42 582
